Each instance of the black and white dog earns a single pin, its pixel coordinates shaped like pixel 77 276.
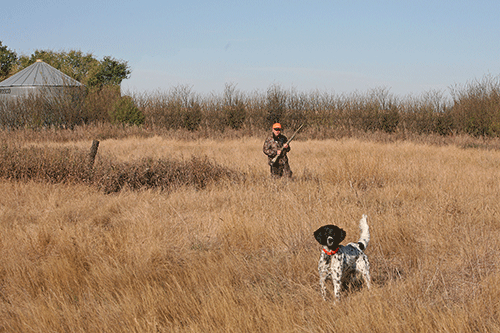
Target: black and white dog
pixel 342 262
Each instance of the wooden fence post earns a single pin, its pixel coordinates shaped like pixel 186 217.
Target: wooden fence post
pixel 93 153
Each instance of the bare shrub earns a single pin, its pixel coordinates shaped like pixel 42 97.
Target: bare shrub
pixel 179 108
pixel 276 100
pixel 476 107
pixel 71 165
pixel 159 174
pixel 427 114
pixel 99 104
pixel 40 164
pixel 233 108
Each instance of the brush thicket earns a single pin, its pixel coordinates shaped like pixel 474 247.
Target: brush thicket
pixel 471 109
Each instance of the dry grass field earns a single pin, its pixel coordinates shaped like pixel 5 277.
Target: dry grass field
pixel 239 255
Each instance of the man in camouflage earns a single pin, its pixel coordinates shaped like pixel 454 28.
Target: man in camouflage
pixel 275 145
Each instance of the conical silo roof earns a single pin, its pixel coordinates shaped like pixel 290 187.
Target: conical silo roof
pixel 39 74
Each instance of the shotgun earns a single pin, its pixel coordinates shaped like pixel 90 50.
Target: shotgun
pixel 275 158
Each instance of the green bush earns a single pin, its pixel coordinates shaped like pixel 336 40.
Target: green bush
pixel 126 112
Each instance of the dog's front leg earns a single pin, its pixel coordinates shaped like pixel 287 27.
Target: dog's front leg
pixel 336 288
pixel 322 286
pixel 323 274
pixel 336 272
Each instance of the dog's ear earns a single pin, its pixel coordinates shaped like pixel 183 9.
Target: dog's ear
pixel 341 236
pixel 329 230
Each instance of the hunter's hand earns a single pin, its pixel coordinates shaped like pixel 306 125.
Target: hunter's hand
pixel 278 152
pixel 285 146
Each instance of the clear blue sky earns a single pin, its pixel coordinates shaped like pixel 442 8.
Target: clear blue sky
pixel 409 47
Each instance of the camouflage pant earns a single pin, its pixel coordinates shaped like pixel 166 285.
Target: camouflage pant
pixel 279 170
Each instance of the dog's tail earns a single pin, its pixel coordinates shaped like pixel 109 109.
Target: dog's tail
pixel 365 233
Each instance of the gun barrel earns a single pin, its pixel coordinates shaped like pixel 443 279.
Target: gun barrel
pixel 294 134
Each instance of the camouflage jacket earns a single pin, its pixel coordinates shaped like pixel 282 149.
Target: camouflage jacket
pixel 272 145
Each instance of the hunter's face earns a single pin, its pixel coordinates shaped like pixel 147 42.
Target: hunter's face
pixel 276 131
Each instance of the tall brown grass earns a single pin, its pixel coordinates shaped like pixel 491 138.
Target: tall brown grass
pixel 239 256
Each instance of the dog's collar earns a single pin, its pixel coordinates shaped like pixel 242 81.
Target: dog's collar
pixel 332 252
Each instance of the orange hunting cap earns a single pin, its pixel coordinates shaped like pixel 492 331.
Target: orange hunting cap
pixel 277 125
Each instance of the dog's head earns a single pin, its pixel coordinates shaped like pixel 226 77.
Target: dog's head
pixel 329 235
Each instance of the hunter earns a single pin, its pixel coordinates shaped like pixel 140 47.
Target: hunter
pixel 276 146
